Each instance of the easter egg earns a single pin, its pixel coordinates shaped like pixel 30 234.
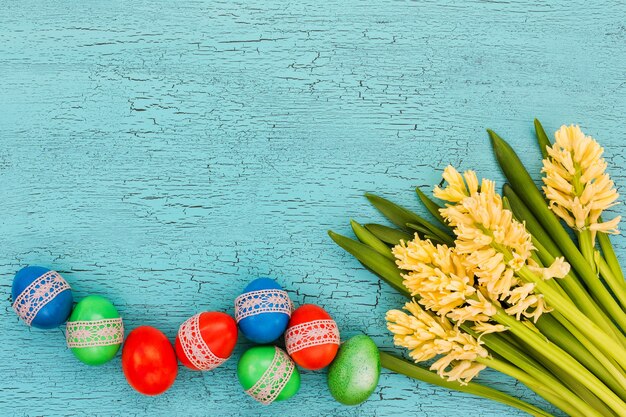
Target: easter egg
pixel 206 340
pixel 94 332
pixel 41 297
pixel 263 310
pixel 312 337
pixel 148 361
pixel 353 375
pixel 268 374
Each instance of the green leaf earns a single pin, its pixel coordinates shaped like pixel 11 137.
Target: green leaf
pixel 371 240
pixel 420 229
pixel 542 139
pixel 401 217
pixel 432 207
pixel 396 214
pixel 523 214
pixel 382 266
pixel 387 234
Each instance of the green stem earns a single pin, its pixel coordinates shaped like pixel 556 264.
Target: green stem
pixel 549 395
pixel 518 357
pixel 572 384
pixel 585 241
pixel 602 340
pixel 570 339
pixel 609 254
pixel 615 284
pixel 581 298
pixel 401 366
pixel 564 361
pixel 561 396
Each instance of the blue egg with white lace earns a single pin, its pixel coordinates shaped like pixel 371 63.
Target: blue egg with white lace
pixel 41 297
pixel 262 311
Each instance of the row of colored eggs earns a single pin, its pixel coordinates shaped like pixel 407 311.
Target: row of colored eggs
pixel 94 331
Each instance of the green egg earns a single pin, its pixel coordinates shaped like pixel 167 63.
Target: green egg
pixel 353 375
pixel 256 360
pixel 97 337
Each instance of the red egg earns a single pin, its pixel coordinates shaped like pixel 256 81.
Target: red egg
pixel 206 340
pixel 148 361
pixel 312 337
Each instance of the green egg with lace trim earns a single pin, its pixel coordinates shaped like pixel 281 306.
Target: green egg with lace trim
pixel 94 331
pixel 268 374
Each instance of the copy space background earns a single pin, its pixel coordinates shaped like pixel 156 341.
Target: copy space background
pixel 164 154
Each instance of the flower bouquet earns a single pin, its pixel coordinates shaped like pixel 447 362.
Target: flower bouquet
pixel 497 281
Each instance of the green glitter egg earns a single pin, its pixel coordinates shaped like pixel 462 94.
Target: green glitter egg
pixel 94 331
pixel 268 374
pixel 353 375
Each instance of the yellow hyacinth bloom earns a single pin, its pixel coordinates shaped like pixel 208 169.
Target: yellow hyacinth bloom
pixel 428 336
pixel 494 247
pixel 494 243
pixel 435 273
pixel 456 189
pixel 438 275
pixel 576 183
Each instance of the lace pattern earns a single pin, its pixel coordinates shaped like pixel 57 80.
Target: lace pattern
pixel 274 379
pixel 262 301
pixel 313 333
pixel 92 333
pixel 195 348
pixel 39 293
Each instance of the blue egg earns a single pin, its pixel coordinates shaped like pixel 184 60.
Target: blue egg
pixel 46 303
pixel 263 310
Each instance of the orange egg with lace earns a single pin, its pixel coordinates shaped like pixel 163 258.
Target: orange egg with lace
pixel 206 340
pixel 312 337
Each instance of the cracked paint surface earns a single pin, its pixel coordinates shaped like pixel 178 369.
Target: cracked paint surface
pixel 164 155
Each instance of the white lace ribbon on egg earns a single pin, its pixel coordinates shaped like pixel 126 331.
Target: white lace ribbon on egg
pixel 313 333
pixel 262 301
pixel 194 346
pixel 92 333
pixel 37 294
pixel 274 379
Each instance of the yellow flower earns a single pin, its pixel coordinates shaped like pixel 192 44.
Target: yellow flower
pixel 479 310
pixel 525 302
pixel 456 189
pixel 494 247
pixel 494 243
pixel 436 274
pixel 428 336
pixel 558 269
pixel 576 183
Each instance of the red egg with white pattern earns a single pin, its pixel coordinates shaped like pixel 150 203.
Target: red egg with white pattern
pixel 312 337
pixel 206 340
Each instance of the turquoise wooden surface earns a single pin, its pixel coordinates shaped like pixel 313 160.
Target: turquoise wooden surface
pixel 163 154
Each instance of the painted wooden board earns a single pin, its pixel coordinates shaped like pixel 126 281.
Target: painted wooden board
pixel 163 154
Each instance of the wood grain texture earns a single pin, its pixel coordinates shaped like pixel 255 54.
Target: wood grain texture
pixel 163 155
